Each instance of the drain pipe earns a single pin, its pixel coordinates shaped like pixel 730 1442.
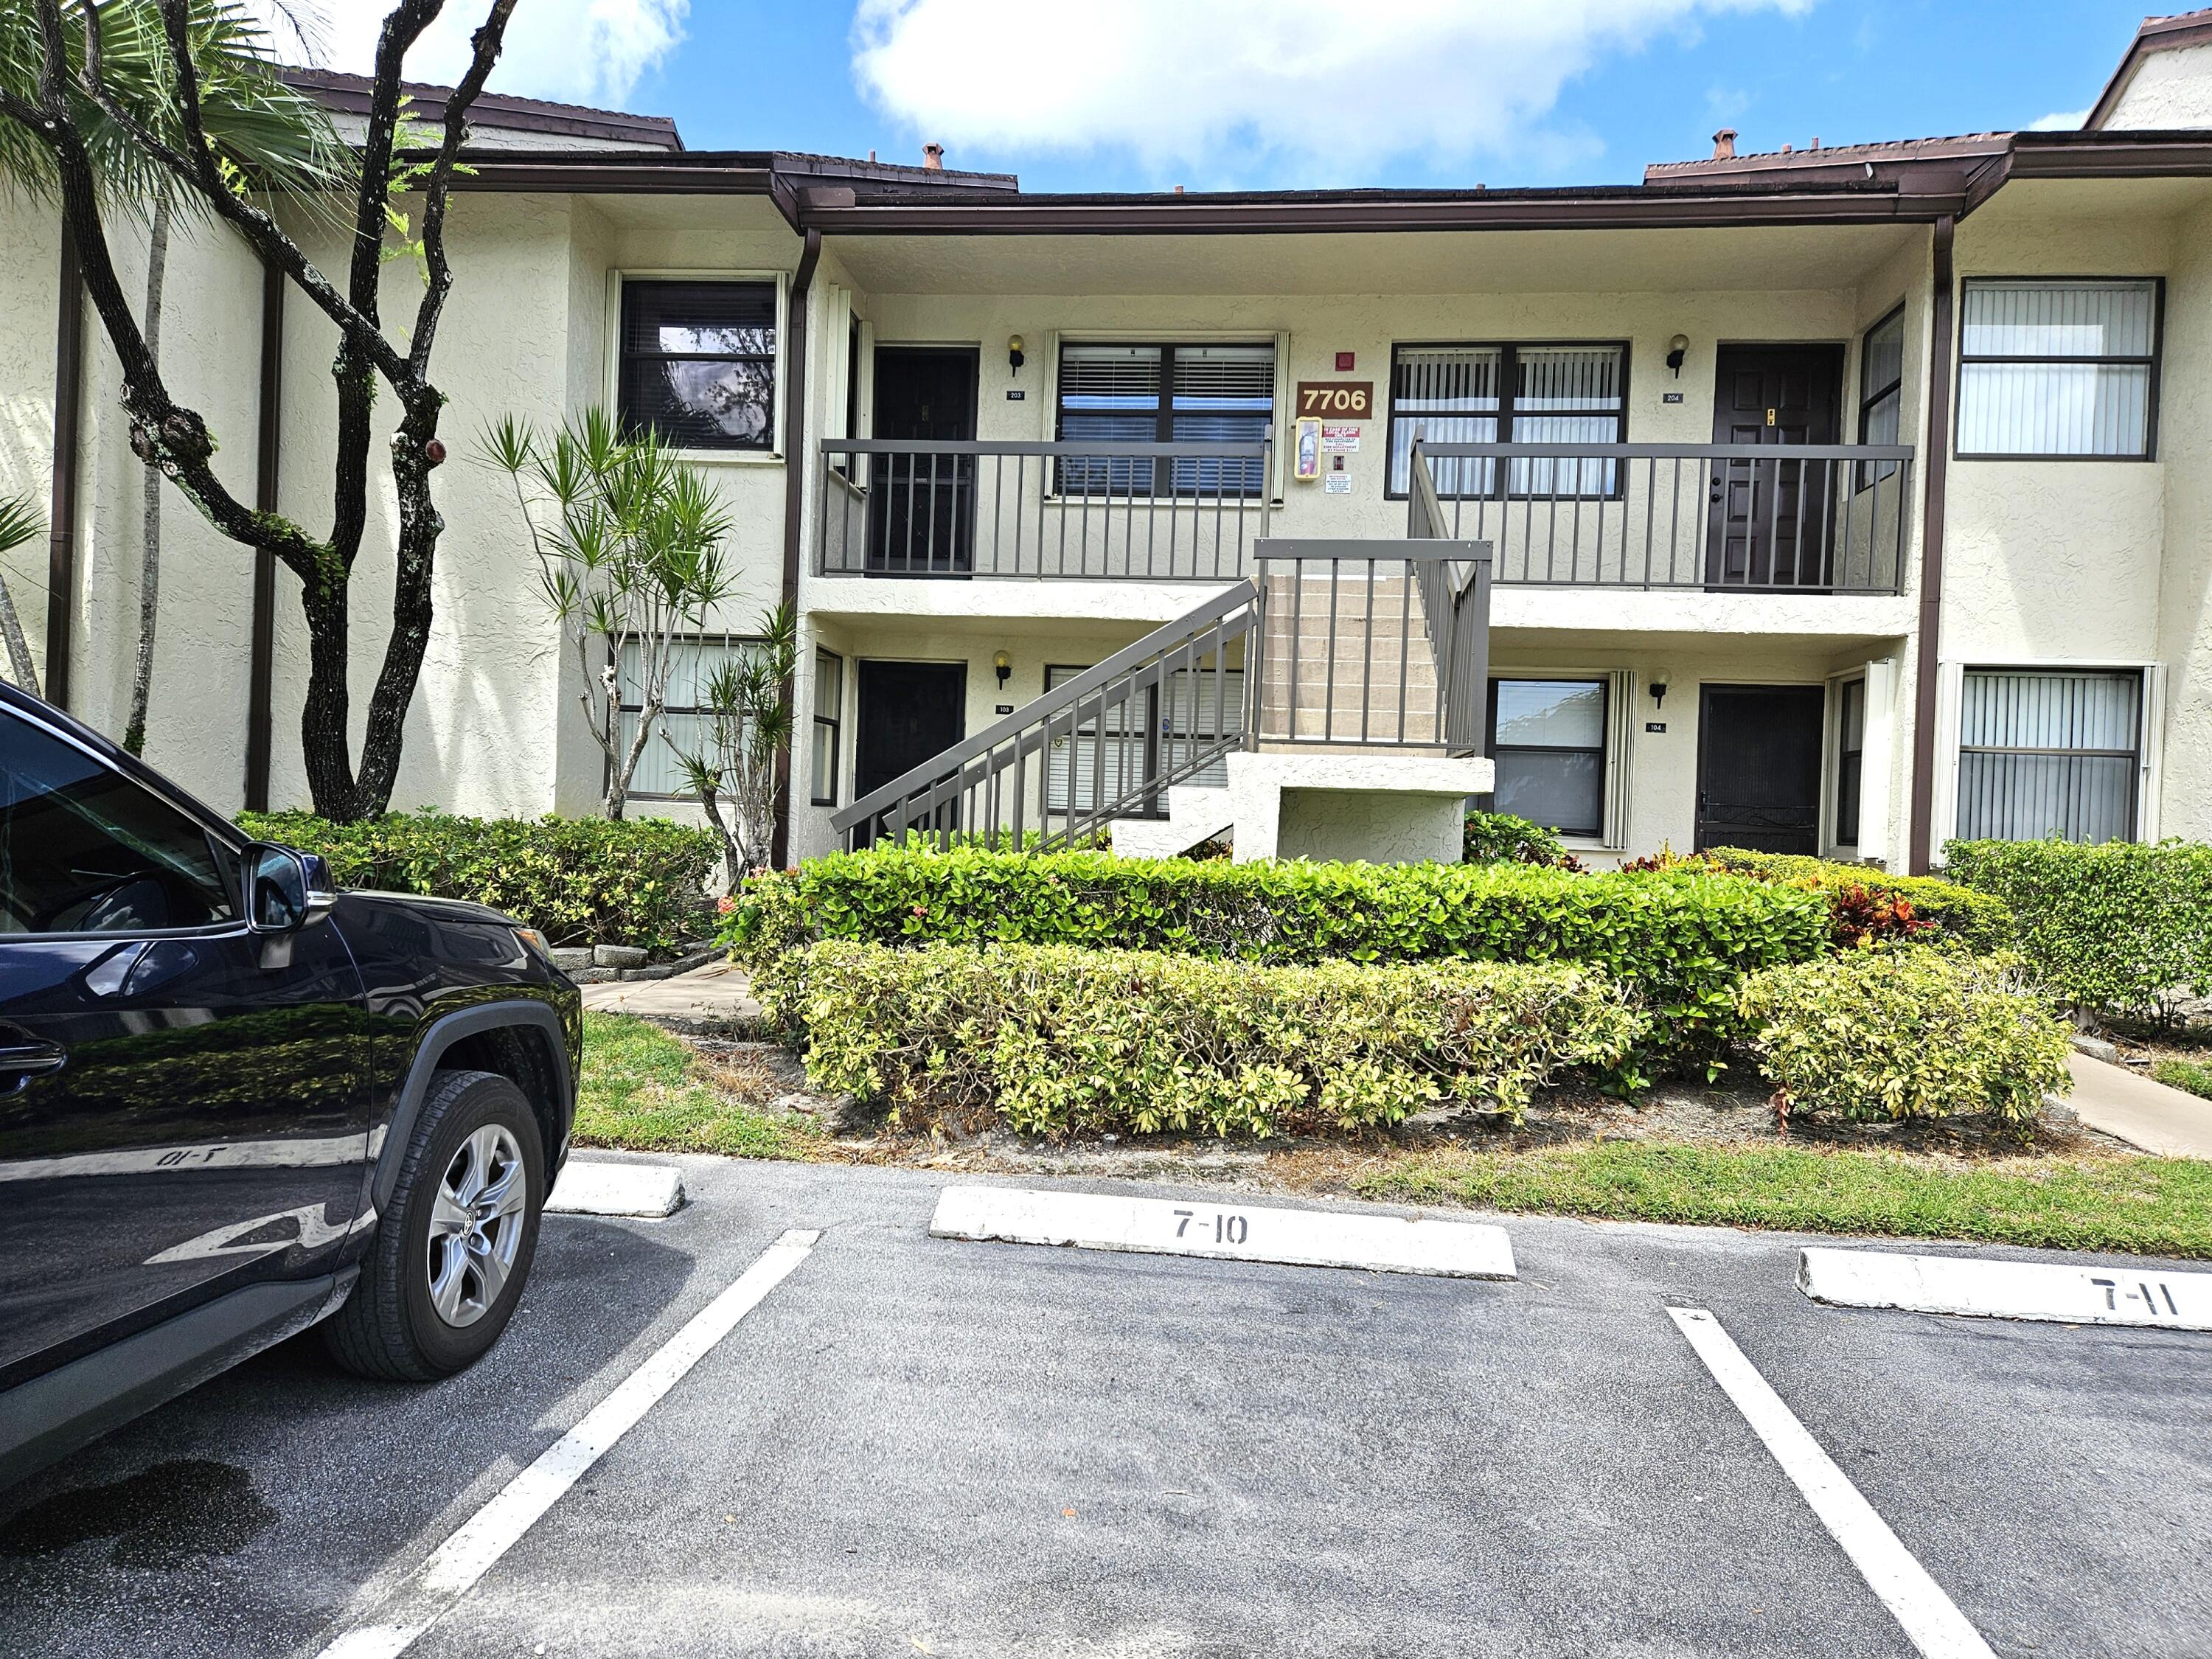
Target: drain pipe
pixel 1921 837
pixel 794 498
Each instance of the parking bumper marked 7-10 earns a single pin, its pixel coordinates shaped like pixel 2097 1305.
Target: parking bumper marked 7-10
pixel 2055 1291
pixel 470 1551
pixel 1236 1232
pixel 1929 1617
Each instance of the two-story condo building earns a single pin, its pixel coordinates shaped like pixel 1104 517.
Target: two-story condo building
pixel 1837 499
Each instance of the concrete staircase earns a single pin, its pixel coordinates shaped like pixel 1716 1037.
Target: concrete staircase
pixel 1347 662
pixel 1195 814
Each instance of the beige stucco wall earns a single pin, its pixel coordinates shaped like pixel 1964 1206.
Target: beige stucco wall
pixel 2169 88
pixel 30 253
pixel 2184 633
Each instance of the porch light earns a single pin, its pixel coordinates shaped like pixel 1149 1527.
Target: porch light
pixel 1014 357
pixel 1677 349
pixel 1003 663
pixel 1658 683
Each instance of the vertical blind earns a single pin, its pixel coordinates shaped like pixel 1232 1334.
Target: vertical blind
pixel 1548 741
pixel 692 663
pixel 1507 394
pixel 1106 756
pixel 2048 753
pixel 2057 368
pixel 1165 394
pixel 1882 391
pixel 829 721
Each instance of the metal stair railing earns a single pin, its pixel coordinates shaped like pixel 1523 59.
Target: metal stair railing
pixel 1455 594
pixel 981 787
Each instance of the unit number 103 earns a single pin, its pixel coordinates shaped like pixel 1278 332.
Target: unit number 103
pixel 1227 1229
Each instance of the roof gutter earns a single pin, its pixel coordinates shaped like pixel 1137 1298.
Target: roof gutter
pixel 1934 478
pixel 794 487
pixel 2179 155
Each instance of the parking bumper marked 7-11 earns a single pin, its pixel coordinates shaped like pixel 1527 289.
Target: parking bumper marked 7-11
pixel 1236 1232
pixel 2058 1292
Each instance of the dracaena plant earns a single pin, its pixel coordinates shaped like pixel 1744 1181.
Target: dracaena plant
pixel 745 724
pixel 629 542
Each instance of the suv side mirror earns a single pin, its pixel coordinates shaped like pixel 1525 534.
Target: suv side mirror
pixel 284 890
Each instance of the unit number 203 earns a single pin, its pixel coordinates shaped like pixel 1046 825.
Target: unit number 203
pixel 1227 1229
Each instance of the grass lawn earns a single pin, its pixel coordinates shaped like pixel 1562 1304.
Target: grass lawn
pixel 2145 1205
pixel 644 1089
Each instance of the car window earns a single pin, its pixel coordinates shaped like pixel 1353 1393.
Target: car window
pixel 84 849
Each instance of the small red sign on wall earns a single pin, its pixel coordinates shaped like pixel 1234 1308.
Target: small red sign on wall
pixel 1344 361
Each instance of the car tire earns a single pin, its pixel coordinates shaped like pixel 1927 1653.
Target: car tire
pixel 454 1245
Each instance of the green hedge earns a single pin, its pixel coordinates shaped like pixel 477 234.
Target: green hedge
pixel 1679 942
pixel 2118 928
pixel 1056 1039
pixel 1868 903
pixel 578 881
pixel 1502 838
pixel 1880 1036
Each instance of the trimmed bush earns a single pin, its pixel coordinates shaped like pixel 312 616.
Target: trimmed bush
pixel 1680 943
pixel 578 881
pixel 1889 1036
pixel 1501 838
pixel 2120 928
pixel 1870 906
pixel 1058 1040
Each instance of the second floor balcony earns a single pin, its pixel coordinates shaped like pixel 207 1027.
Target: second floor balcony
pixel 1805 518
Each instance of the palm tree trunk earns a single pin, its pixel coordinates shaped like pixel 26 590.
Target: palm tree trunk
pixel 150 563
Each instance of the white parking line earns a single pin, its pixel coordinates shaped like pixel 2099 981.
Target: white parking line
pixel 2050 1290
pixel 1931 1620
pixel 471 1548
pixel 1235 1232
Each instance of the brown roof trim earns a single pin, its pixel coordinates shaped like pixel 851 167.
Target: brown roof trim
pixel 1837 160
pixel 349 94
pixel 1923 199
pixel 2188 28
pixel 2087 155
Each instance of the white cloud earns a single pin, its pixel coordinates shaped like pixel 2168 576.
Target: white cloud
pixel 586 52
pixel 1318 92
pixel 2064 120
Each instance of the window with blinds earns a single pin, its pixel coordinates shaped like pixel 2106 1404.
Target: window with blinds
pixel 682 727
pixel 1526 394
pixel 1547 740
pixel 698 363
pixel 1882 391
pixel 1167 394
pixel 1107 756
pixel 2057 369
pixel 2049 754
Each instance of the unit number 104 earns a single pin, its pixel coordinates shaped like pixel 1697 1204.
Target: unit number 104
pixel 1227 1229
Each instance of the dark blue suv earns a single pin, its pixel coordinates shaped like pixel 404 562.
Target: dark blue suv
pixel 234 1103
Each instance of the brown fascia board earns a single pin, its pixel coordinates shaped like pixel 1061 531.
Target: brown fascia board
pixel 1609 207
pixel 2181 154
pixel 2189 28
pixel 349 94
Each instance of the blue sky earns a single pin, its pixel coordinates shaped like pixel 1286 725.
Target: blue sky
pixel 1144 93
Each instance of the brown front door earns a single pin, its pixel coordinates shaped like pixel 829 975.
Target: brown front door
pixel 1772 520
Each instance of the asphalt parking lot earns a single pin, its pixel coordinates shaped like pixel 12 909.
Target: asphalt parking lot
pixel 917 1445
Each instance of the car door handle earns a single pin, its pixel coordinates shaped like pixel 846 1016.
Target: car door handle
pixel 23 1057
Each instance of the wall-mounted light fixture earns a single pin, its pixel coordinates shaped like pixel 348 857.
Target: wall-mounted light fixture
pixel 1658 684
pixel 1014 357
pixel 1004 665
pixel 1677 349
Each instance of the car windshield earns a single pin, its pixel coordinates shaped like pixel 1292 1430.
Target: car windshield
pixel 85 849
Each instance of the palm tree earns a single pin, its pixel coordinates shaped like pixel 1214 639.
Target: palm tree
pixel 19 525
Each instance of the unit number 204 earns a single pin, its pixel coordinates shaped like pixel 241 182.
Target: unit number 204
pixel 1227 1229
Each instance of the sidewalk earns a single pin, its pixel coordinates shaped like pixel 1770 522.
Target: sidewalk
pixel 719 991
pixel 2168 1121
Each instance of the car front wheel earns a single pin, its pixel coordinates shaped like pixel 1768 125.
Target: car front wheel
pixel 454 1245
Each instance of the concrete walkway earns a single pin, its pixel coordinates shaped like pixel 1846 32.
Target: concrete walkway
pixel 719 991
pixel 2171 1122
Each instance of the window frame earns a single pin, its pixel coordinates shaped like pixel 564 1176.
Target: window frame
pixel 1844 692
pixel 2154 362
pixel 622 707
pixel 1508 379
pixel 1164 413
pixel 836 722
pixel 1867 474
pixel 775 452
pixel 1603 750
pixel 2138 756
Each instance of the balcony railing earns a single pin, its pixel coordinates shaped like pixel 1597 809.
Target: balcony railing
pixel 1135 511
pixel 1762 519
